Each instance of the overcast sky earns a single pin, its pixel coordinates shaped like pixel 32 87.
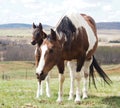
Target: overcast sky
pixel 50 11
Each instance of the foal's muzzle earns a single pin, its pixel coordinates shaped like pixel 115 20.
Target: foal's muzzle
pixel 33 42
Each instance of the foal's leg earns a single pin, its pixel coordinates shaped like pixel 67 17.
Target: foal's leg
pixel 72 69
pixel 85 78
pixel 60 93
pixel 38 90
pixel 47 86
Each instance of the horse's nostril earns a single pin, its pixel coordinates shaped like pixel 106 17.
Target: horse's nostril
pixel 33 42
pixel 37 75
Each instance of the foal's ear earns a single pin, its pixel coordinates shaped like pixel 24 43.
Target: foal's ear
pixel 40 26
pixel 53 34
pixel 34 26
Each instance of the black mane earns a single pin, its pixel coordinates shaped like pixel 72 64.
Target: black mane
pixel 67 27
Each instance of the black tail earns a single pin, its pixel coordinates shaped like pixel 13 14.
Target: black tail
pixel 100 71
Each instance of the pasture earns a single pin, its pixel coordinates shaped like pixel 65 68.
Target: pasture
pixel 18 82
pixel 18 90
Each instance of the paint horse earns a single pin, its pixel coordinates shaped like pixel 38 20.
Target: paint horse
pixel 74 38
pixel 38 36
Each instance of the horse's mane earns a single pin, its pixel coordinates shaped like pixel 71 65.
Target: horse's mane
pixel 67 28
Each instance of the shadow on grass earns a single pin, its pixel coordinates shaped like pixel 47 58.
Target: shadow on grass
pixel 108 101
pixel 92 101
pixel 112 101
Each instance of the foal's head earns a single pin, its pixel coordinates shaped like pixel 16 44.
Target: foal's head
pixel 38 34
pixel 50 55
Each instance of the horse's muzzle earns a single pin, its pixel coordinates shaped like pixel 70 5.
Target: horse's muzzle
pixel 41 77
pixel 33 42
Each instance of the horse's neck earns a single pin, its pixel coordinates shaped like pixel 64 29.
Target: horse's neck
pixel 39 43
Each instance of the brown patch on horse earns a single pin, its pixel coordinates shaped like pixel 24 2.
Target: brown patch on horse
pixel 84 45
pixel 91 52
pixel 92 24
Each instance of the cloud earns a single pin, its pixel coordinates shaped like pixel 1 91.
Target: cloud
pixel 81 4
pixel 107 8
pixel 49 12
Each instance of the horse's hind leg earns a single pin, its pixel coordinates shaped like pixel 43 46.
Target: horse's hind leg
pixel 85 77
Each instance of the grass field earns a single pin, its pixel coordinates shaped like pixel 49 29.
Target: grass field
pixel 19 91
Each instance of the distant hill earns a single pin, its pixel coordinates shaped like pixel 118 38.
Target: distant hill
pixel 19 25
pixel 108 25
pixel 100 25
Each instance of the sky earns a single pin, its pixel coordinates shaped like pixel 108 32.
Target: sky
pixel 50 11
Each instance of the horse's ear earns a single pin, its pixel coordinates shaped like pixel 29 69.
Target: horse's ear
pixel 34 26
pixel 44 35
pixel 53 34
pixel 40 26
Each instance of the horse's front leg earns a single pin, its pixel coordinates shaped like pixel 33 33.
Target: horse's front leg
pixel 72 69
pixel 61 81
pixel 78 96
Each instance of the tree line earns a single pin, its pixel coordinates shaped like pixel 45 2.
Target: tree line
pixel 25 52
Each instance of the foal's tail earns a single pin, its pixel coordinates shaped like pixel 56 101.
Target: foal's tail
pixel 100 71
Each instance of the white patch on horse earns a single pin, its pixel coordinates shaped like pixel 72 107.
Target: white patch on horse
pixel 42 61
pixel 78 22
pixel 35 51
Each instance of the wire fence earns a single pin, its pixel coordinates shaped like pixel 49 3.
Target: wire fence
pixel 24 74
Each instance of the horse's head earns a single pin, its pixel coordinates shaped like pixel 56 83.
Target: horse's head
pixel 38 34
pixel 51 53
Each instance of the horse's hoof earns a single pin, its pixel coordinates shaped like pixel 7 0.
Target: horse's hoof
pixel 48 95
pixel 59 101
pixel 70 98
pixel 77 102
pixel 85 97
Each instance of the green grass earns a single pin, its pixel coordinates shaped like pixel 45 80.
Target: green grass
pixel 19 92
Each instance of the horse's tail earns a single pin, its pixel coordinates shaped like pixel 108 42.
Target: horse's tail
pixel 100 71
